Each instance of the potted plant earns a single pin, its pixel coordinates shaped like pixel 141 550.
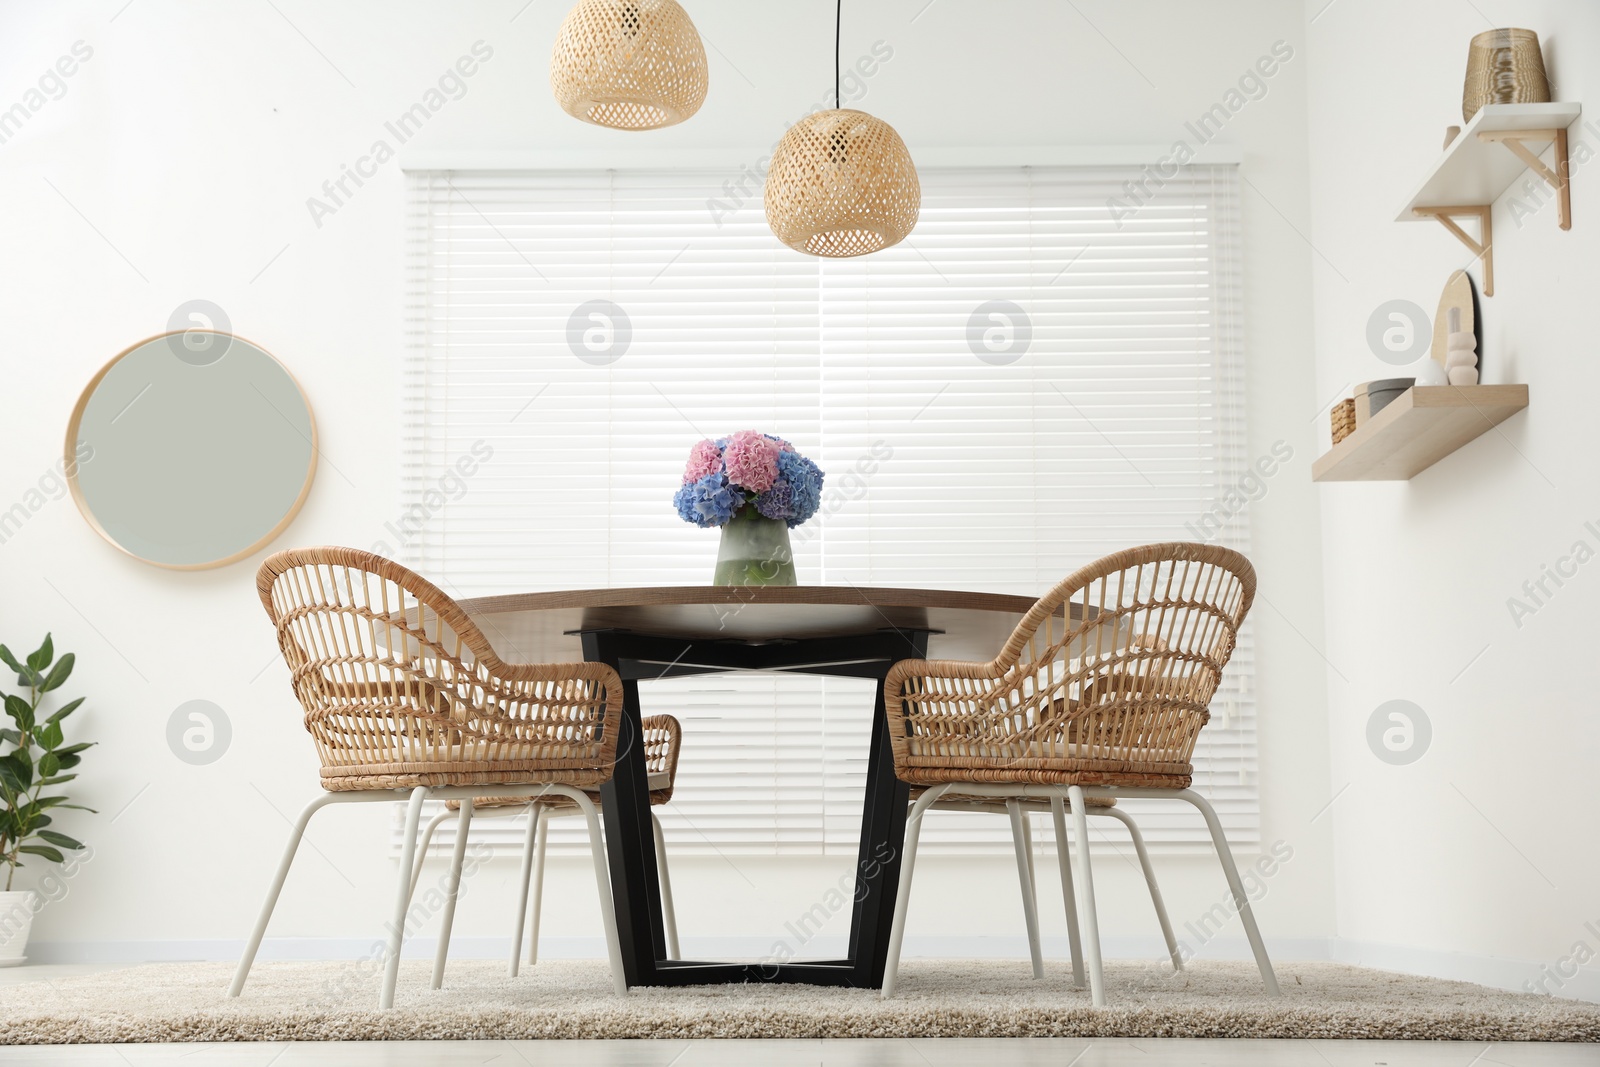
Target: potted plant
pixel 38 759
pixel 757 488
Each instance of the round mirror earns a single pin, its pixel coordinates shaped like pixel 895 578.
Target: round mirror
pixel 192 449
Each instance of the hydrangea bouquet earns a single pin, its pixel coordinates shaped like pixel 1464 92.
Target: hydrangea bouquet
pixel 756 487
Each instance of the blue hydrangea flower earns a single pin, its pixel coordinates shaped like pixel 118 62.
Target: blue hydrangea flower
pixel 708 502
pixel 777 502
pixel 804 481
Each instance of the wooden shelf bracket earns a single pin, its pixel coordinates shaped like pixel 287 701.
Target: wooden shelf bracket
pixel 1483 247
pixel 1559 179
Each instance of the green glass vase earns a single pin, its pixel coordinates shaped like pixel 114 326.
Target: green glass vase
pixel 754 551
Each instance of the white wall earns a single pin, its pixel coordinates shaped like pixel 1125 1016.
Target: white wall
pixel 1477 859
pixel 178 164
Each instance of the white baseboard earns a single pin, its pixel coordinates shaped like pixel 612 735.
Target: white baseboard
pixel 1496 972
pixel 714 948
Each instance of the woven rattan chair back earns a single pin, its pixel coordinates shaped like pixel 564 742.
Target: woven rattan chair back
pixel 401 689
pixel 1106 681
pixel 663 737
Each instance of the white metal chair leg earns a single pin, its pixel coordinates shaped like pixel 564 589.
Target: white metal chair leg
pixel 528 844
pixel 667 910
pixel 1087 921
pixel 602 881
pixel 1021 842
pixel 1058 812
pixel 453 892
pixel 397 925
pixel 1240 897
pixel 422 849
pixel 1150 880
pixel 247 960
pixel 908 863
pixel 535 908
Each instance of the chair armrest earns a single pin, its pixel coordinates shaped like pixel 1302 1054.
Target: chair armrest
pixel 911 682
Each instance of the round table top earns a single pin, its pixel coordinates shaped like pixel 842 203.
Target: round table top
pixel 542 627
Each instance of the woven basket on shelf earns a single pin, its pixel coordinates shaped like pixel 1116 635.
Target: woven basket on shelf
pixel 1343 416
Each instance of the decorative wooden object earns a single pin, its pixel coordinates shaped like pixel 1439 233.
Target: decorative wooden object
pixel 1473 173
pixel 629 64
pixel 1414 432
pixel 842 184
pixel 1461 355
pixel 1457 295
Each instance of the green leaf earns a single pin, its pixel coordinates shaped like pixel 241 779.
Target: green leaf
pixel 57 779
pixel 9 660
pixel 12 736
pixel 66 709
pixel 59 672
pixel 41 657
pixel 49 765
pixel 48 736
pixel 43 850
pixel 70 749
pixel 79 807
pixel 17 771
pixel 60 839
pixel 68 760
pixel 20 711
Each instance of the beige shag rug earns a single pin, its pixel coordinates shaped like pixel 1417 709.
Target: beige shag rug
pixel 937 998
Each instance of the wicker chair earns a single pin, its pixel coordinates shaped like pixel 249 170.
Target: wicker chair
pixel 662 739
pixel 1107 704
pixel 405 699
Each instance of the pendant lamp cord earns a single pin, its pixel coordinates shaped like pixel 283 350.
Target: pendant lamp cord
pixel 838 17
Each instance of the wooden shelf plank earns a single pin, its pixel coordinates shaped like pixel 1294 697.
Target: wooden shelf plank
pixel 1419 427
pixel 1476 172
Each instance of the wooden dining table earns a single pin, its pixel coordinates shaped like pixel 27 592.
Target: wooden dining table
pixel 664 632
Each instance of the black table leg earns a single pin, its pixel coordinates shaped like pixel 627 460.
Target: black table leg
pixel 883 830
pixel 630 844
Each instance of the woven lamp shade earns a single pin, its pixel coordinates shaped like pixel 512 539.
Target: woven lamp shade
pixel 842 184
pixel 629 64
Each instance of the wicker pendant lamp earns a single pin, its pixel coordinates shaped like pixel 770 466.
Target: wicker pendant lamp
pixel 629 64
pixel 841 182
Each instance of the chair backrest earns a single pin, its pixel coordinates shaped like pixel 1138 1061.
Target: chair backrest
pixel 1122 657
pixel 392 673
pixel 663 738
pixel 1112 669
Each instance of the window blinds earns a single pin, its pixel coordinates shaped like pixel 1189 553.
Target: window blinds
pixel 1025 384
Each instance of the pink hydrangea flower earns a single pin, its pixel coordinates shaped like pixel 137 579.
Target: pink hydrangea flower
pixel 704 459
pixel 752 460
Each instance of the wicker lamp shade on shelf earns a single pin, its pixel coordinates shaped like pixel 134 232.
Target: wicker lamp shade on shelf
pixel 629 64
pixel 842 184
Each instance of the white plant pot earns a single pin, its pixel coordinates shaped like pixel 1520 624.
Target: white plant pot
pixel 16 921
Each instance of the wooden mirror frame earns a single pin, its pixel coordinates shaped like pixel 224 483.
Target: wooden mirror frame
pixel 72 461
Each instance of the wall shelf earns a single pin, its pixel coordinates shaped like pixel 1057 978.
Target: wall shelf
pixel 1417 429
pixel 1490 154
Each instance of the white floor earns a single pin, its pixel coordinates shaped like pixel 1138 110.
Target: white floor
pixel 1064 1052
